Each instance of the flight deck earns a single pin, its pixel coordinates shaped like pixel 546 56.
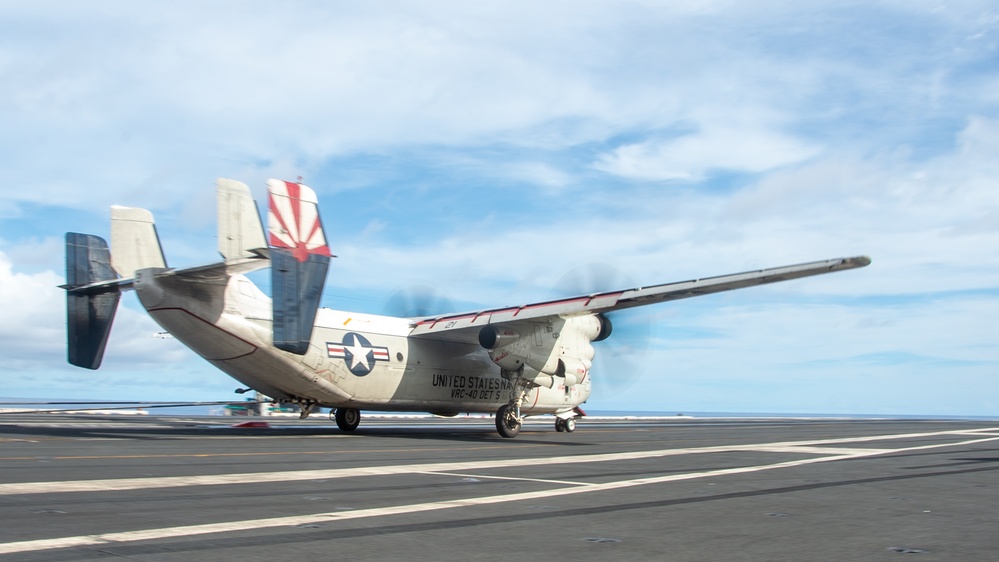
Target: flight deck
pixel 176 488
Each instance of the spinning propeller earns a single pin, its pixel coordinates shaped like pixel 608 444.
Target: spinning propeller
pixel 618 359
pixel 418 300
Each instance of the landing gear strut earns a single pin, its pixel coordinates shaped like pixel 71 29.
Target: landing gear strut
pixel 347 419
pixel 306 408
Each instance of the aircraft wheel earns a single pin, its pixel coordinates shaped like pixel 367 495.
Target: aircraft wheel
pixel 506 425
pixel 559 425
pixel 347 419
pixel 569 425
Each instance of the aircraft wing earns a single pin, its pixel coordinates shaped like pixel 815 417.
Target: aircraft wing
pixel 464 327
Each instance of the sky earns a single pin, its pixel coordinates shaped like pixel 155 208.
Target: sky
pixel 494 150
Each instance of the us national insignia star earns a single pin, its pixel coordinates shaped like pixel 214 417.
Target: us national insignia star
pixel 357 352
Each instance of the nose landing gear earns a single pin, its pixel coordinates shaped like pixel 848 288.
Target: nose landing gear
pixel 565 425
pixel 507 421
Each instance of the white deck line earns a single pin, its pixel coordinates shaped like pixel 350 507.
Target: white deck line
pixel 256 524
pixel 118 484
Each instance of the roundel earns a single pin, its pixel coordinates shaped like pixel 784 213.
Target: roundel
pixel 357 353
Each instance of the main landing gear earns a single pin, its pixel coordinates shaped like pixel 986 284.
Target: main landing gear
pixel 509 420
pixel 347 419
pixel 508 424
pixel 565 425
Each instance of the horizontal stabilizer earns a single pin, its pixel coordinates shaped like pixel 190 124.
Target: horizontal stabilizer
pixel 300 259
pixel 241 235
pixel 134 241
pixel 89 312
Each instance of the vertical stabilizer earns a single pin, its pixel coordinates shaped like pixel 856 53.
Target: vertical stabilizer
pixel 300 259
pixel 89 311
pixel 134 241
pixel 240 230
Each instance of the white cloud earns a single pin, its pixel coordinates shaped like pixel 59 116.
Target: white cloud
pixel 691 157
pixel 924 222
pixel 33 323
pixel 166 98
pixel 539 173
pixel 33 330
pixel 136 365
pixel 878 358
pixel 836 130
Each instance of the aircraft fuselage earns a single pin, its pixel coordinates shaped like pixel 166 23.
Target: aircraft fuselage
pixel 354 360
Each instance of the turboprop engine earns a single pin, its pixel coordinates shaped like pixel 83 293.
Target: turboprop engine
pixel 546 352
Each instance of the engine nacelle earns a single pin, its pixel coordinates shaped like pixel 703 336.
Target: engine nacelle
pixel 557 351
pixel 491 337
pixel 605 328
pixel 513 358
pixel 512 352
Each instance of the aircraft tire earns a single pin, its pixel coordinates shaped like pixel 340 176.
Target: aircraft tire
pixel 569 425
pixel 505 425
pixel 347 419
pixel 559 425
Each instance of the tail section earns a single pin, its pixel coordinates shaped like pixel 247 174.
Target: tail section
pixel 297 249
pixel 92 286
pixel 89 309
pixel 240 233
pixel 135 242
pixel 300 259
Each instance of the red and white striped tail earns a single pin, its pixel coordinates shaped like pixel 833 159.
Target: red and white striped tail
pixel 293 220
pixel 300 259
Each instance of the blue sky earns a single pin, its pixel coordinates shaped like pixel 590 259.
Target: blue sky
pixel 488 150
